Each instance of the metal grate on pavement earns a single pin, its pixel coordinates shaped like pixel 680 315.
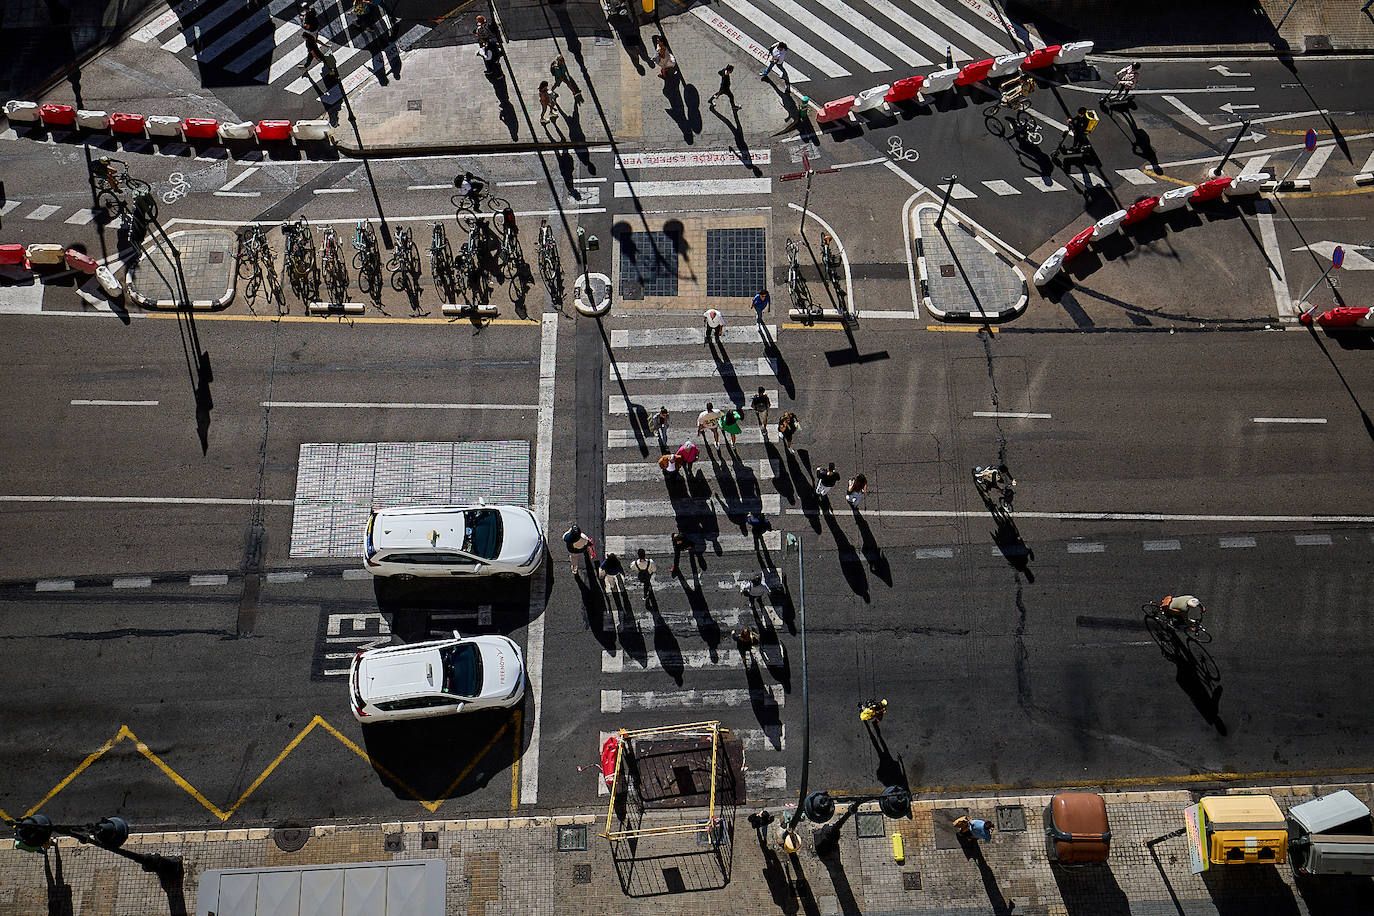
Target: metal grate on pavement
pixel 648 265
pixel 735 261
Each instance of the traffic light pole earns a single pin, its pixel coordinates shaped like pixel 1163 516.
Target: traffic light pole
pixel 35 832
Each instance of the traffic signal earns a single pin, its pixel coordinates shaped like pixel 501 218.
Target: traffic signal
pixel 111 832
pixel 33 833
pixel 895 802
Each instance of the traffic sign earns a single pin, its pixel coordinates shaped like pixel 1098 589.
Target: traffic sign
pixel 1310 141
pixel 1338 256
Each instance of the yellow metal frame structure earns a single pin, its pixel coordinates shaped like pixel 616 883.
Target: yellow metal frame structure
pixel 713 730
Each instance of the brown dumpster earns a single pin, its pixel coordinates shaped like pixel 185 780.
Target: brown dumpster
pixel 1076 829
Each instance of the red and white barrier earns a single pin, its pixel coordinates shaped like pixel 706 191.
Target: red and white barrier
pixel 268 131
pixel 16 110
pixel 1078 243
pixel 940 80
pixel 57 115
pixel 317 129
pixel 834 110
pixel 121 122
pixel 1139 210
pixel 974 73
pixel 46 255
pixel 1345 316
pixel 1210 189
pixel 872 99
pixel 1108 224
pixel 164 126
pixel 1172 200
pixel 79 260
pixel 1041 58
pixel 1074 52
pixel 1007 64
pixel 92 120
pixel 1249 183
pixel 240 131
pixel 13 254
pixel 199 128
pixel 1050 269
pixel 905 89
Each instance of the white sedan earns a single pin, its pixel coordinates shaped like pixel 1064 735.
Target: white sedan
pixel 462 674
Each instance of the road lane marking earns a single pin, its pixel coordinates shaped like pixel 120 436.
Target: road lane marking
pixel 1186 111
pixel 656 661
pixel 1278 279
pixel 55 585
pixel 1315 162
pixel 1199 160
pixel 620 509
pixel 1011 414
pixel 676 337
pixel 692 368
pixel 933 553
pixel 336 190
pixel 428 187
pixel 1279 117
pixel 618 701
pixel 1086 547
pixel 765 779
pixel 1241 542
pixel 1288 419
pixel 797 45
pixel 79 402
pixel 238 179
pixel 700 187
pixel 210 579
pixel 649 471
pixel 661 544
pixel 43 211
pixel 1165 544
pixel 152 500
pixel 290 575
pixel 1312 540
pixel 80 217
pixel 683 402
pixel 395 405
pixel 133 582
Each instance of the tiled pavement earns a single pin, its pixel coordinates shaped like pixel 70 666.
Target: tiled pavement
pixel 962 276
pixel 207 259
pixel 513 865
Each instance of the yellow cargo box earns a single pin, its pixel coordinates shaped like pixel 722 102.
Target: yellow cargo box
pixel 1243 829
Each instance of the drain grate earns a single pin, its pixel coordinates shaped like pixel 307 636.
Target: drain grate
pixel 429 839
pixel 911 881
pixel 946 270
pixel 648 264
pixel 735 261
pixel 871 825
pixel 1011 819
pixel 582 874
pixel 395 842
pixel 291 839
pixel 572 838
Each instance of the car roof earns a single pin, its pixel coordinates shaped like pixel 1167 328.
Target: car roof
pixel 402 671
pixel 416 527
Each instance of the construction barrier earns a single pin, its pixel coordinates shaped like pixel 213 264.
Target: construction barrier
pixel 1249 183
pixel 241 131
pixel 331 308
pixel 268 131
pixel 121 122
pixel 107 280
pixel 940 80
pixel 1078 243
pixel 1108 224
pixel 199 128
pixel 1007 63
pixel 1345 316
pixel 1210 189
pixel 1074 52
pixel 1139 210
pixel 92 120
pixel 1172 200
pixel 1050 269
pixel 1040 58
pixel 46 255
pixel 834 109
pixel 872 99
pixel 317 129
pixel 164 126
pixel 57 115
pixel 974 73
pixel 905 89
pixel 78 260
pixel 16 110
pixel 13 254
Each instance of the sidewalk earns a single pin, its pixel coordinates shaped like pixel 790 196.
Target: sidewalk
pixel 514 865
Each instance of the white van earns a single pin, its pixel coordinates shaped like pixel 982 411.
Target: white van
pixel 481 540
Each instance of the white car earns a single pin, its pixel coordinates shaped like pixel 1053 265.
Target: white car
pixel 462 674
pixel 479 540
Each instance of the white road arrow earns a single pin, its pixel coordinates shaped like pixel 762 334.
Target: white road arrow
pixel 1226 71
pixel 1253 135
pixel 1232 108
pixel 1352 261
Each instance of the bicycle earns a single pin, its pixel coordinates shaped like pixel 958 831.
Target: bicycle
pixel 367 259
pixel 468 203
pixel 550 268
pixel 300 260
pixel 796 283
pixel 1002 485
pixel 335 270
pixel 441 263
pixel 1163 626
pixel 112 182
pixel 257 265
pixel 872 711
pixel 476 246
pixel 511 254
pixel 831 262
pixel 405 267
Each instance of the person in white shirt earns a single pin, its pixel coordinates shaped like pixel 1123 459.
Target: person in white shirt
pixel 776 55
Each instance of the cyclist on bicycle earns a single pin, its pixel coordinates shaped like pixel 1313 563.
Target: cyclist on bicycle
pixel 1181 610
pixel 103 169
pixel 470 186
pixel 1126 78
pixel 996 479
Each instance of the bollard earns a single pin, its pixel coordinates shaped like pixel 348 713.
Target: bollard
pixel 898 852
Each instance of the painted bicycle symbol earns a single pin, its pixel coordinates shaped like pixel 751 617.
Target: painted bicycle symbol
pixel 897 151
pixel 179 188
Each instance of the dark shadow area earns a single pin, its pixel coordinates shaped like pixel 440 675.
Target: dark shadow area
pixel 1007 538
pixel 850 564
pixel 873 553
pixel 1090 890
pixel 1245 889
pixel 1167 23
pixel 444 756
pixel 59 891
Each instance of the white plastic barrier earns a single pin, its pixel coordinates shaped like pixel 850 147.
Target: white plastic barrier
pixel 1172 200
pixel 940 80
pixel 46 255
pixel 1367 320
pixel 871 98
pixel 16 110
pixel 1249 183
pixel 241 131
pixel 92 120
pixel 112 287
pixel 1108 224
pixel 164 126
pixel 1074 52
pixel 1050 269
pixel 310 130
pixel 1007 63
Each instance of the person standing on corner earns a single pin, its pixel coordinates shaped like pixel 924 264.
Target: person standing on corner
pixel 715 325
pixel 709 419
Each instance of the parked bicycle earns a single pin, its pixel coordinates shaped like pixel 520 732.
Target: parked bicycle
pixel 405 267
pixel 472 200
pixel 511 254
pixel 334 269
pixel 550 267
pixel 113 184
pixel 477 246
pixel 830 261
pixel 301 268
pixel 796 283
pixel 367 259
pixel 257 265
pixel 441 264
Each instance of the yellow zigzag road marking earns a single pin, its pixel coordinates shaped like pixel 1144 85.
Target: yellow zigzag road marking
pixel 125 733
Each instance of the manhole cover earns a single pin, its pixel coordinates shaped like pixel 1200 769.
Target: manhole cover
pixel 871 825
pixel 1011 818
pixel 290 839
pixel 911 881
pixel 216 257
pixel 429 839
pixel 572 838
pixel 582 874
pixel 413 104
pixel 946 270
pixel 395 842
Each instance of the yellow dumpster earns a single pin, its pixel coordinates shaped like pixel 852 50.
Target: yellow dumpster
pixel 1243 829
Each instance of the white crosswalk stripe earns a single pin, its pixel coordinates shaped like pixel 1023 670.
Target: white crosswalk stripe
pixel 676 337
pixel 649 470
pixel 795 43
pixel 266 43
pixel 694 368
pixel 1135 176
pixel 627 438
pixel 1044 184
pixel 694 403
pixel 1000 187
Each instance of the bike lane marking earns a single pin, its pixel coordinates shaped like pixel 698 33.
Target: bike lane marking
pixel 238 179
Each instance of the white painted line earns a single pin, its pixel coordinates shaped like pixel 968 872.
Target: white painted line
pixel 617 701
pixel 210 579
pixel 696 159
pixel 1209 89
pixel 1001 188
pixel 620 509
pixel 1166 544
pixel 1279 117
pixel 238 179
pixel 933 553
pixel 55 585
pixel 919 30
pixel 354 574
pixel 960 192
pixel 1315 162
pixel 43 211
pixel 765 779
pixel 80 217
pixel 626 438
pixel 152 500
pixel 796 45
pixel 661 545
pixel 336 190
pixel 1136 176
pixel 1278 149
pixel 429 187
pixel 748 45
pixel 767 738
pixel 689 658
pixel 1043 184
pixel 1186 111
pixel 1086 547
pixel 865 26
pixel 399 405
pixel 649 471
pixel 1011 415
pixel 677 337
pixel 133 582
pixel 850 165
pixel 696 368
pixel 82 403
pixel 698 187
pixel 261 52
pixel 237 194
pixel 350 221
pixel 292 575
pixel 1312 540
pixel 534 636
pixel 1278 279
pixel 9 205
pixel 692 403
pixel 1236 542
pixel 1105 516
pixel 884 313
pixel 1289 419
pixel 1254 164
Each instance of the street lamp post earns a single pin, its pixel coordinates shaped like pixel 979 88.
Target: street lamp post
pixel 34 834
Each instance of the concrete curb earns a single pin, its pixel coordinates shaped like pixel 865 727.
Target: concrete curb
pixel 586 308
pixel 964 317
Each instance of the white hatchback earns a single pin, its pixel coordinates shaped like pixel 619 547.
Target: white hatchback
pixel 462 674
pixel 479 540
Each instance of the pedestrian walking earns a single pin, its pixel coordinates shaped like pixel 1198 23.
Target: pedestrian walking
pixel 761 405
pixel 486 33
pixel 758 526
pixel 973 828
pixel 578 545
pixel 826 478
pixel 715 325
pixel 548 102
pixel 854 493
pixel 787 428
pixel 663 57
pixel 559 70
pixel 1078 126
pixel 644 568
pixel 612 574
pixel 746 638
pixel 680 544
pixel 724 89
pixel 709 419
pixel 755 590
pixel 687 455
pixel 776 55
pixel 730 423
pixel 668 464
pixel 658 424
pixel 762 301
pixel 487 51
pixel 310 32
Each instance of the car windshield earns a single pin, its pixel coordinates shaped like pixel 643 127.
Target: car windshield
pixel 482 533
pixel 462 670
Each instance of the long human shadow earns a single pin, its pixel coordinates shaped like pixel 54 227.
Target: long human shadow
pixel 666 646
pixel 891 771
pixel 798 468
pixel 782 480
pixel 872 551
pixel 778 363
pixel 1007 537
pixel 725 368
pixel 635 413
pixel 850 565
pixel 741 147
pixel 766 710
pixel 594 604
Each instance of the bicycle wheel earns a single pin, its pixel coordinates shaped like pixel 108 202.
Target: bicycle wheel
pixel 467 219
pixel 497 204
pixel 1198 633
pixel 995 125
pixel 247 263
pixel 992 111
pixel 400 281
pixel 134 185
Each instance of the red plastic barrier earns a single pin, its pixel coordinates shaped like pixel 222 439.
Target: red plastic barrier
pixel 609 751
pixel 903 90
pixel 122 122
pixel 974 73
pixel 200 128
pixel 1036 60
pixel 1139 210
pixel 273 130
pixel 1210 189
pixel 834 109
pixel 1076 244
pixel 12 254
pixel 61 115
pixel 1345 316
pixel 77 260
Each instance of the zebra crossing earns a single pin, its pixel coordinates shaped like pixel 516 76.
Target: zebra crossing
pixel 838 38
pixel 672 655
pixel 262 42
